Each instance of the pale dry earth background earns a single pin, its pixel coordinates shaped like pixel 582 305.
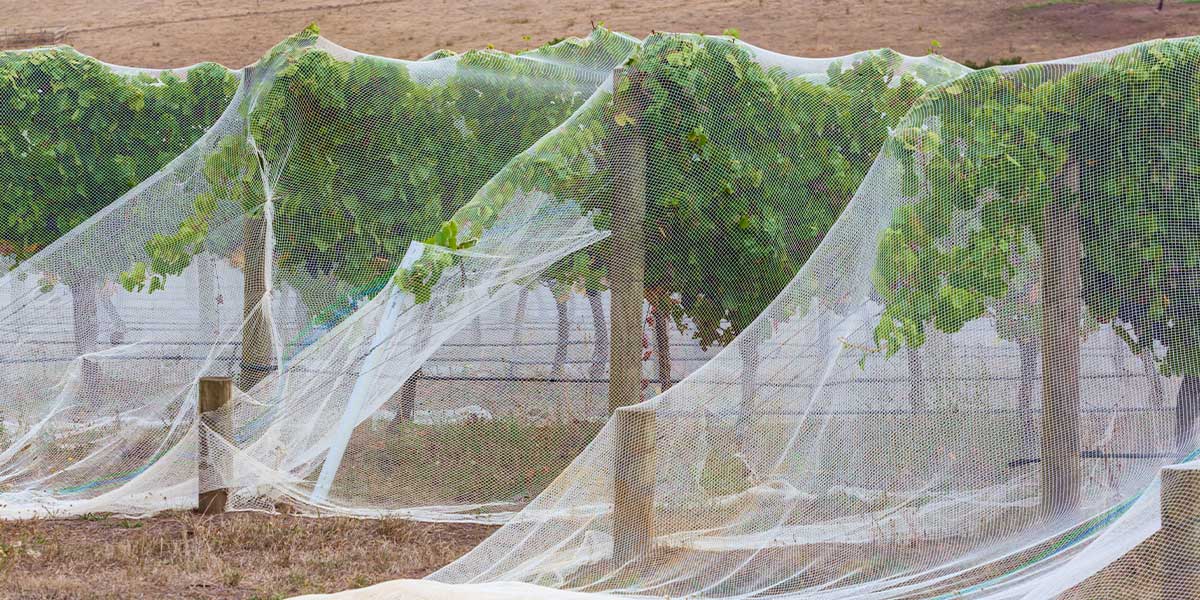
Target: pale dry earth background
pixel 168 33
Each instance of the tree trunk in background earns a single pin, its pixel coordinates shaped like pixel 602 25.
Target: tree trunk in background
pixel 822 334
pixel 84 289
pixel 207 296
pixel 564 336
pixel 519 318
pixel 662 346
pixel 1061 472
pixel 916 380
pixel 1118 346
pixel 14 288
pixel 1158 397
pixel 1187 408
pixel 108 309
pixel 748 350
pixel 600 329
pixel 257 345
pixel 1028 348
pixel 405 400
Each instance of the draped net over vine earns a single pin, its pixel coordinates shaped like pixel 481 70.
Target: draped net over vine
pixel 968 390
pixel 75 135
pixel 462 385
pixel 265 251
pixel 965 382
pixel 750 156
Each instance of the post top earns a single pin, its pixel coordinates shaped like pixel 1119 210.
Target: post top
pixel 1190 467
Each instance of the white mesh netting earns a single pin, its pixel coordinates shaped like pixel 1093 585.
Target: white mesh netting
pixel 966 386
pixel 348 158
pixel 351 158
pixel 968 390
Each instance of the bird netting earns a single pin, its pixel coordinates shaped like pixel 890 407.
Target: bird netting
pixel 254 245
pixel 968 390
pixel 78 133
pixel 75 135
pixel 748 157
pixel 445 397
pixel 432 280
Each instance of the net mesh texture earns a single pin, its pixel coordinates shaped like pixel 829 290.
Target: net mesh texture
pixel 969 389
pixel 873 327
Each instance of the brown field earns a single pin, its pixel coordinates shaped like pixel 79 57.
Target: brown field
pixel 164 33
pixel 238 555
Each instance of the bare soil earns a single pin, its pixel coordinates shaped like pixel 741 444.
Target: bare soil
pixel 237 555
pixel 167 33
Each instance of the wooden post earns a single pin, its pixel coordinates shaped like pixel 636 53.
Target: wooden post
pixel 633 435
pixel 1027 346
pixel 215 394
pixel 633 484
pixel 257 360
pixel 1061 472
pixel 1180 544
pixel 626 271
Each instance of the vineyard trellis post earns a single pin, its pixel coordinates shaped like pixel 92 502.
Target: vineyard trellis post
pixel 257 361
pixel 215 394
pixel 627 272
pixel 1061 473
pixel 633 431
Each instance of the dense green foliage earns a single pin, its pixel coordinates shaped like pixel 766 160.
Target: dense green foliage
pixel 77 134
pixel 747 167
pixel 367 154
pixel 1000 150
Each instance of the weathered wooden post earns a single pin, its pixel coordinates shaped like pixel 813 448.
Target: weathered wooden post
pixel 1061 473
pixel 633 430
pixel 215 394
pixel 633 484
pixel 257 360
pixel 626 273
pixel 1180 545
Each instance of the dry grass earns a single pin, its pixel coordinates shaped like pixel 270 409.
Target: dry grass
pixel 473 461
pixel 238 555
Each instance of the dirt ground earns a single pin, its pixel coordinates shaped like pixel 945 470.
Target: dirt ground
pixel 163 33
pixel 238 555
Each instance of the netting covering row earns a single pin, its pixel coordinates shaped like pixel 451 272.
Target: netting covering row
pixel 866 327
